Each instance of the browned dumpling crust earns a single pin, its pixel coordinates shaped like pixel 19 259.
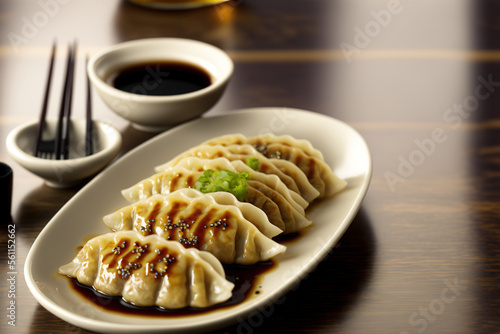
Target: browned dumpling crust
pixel 197 220
pixel 292 177
pixel 283 212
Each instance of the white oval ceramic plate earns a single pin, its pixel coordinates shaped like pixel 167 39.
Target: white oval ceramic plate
pixel 343 148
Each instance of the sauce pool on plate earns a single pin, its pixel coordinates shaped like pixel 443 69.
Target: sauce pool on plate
pixel 246 279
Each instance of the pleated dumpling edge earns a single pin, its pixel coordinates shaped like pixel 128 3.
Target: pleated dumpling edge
pixel 150 271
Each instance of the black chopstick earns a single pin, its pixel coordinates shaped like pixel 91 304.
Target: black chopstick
pixel 69 102
pixel 89 146
pixel 43 114
pixel 62 131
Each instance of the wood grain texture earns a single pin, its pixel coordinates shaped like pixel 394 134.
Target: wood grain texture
pixel 423 253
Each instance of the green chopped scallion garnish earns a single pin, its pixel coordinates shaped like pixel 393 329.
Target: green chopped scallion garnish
pixel 223 180
pixel 253 163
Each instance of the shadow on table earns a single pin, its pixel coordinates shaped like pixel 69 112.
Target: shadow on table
pixel 327 294
pixel 38 207
pixel 44 322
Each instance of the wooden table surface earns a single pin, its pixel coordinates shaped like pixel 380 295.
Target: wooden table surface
pixel 420 80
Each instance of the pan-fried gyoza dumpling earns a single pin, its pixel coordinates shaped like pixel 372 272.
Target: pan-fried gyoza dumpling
pixel 267 138
pixel 319 174
pixel 197 220
pixel 293 220
pixel 291 216
pixel 150 271
pixel 179 178
pixel 249 211
pixel 291 213
pixel 272 204
pixel 270 180
pixel 163 182
pixel 299 152
pixel 288 172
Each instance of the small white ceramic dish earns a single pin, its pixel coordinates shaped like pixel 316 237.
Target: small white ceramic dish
pixel 342 147
pixel 156 113
pixel 65 173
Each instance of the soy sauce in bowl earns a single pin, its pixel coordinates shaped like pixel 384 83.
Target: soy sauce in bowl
pixel 157 61
pixel 160 78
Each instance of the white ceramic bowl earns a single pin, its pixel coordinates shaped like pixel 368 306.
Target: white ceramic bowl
pixel 65 173
pixel 156 113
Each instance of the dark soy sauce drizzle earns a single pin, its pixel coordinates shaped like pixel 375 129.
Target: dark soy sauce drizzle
pixel 245 278
pixel 160 78
pixel 292 238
